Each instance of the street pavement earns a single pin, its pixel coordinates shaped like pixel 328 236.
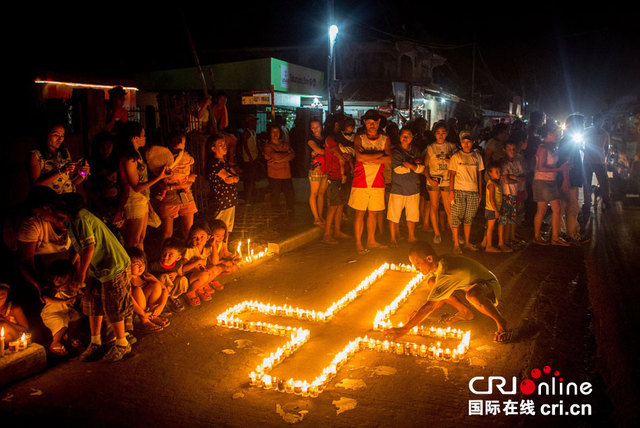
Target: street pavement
pixel 195 373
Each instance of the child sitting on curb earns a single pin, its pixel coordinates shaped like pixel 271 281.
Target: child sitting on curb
pixel 196 267
pixel 149 296
pixel 58 313
pixel 222 259
pixel 168 269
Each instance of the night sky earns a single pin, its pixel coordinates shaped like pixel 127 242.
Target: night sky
pixel 563 58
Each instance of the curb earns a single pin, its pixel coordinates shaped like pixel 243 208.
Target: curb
pixel 289 244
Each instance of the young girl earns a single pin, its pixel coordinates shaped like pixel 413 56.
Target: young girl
pixel 58 313
pixel 545 188
pixel 134 201
pixel 205 263
pixel 317 174
pixel 465 168
pixel 178 199
pixel 437 161
pixel 149 296
pixel 223 180
pixel 493 203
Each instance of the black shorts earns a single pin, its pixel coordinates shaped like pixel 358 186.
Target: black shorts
pixel 338 193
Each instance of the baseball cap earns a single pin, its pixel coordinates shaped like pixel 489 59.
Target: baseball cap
pixel 371 115
pixel 465 135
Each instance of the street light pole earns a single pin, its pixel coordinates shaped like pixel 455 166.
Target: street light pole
pixel 333 33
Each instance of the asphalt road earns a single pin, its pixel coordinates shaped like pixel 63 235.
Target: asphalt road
pixel 195 373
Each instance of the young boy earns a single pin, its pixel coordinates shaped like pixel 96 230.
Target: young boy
pixel 149 295
pixel 337 168
pixel 104 267
pixel 168 270
pixel 465 181
pixel 493 203
pixel 512 182
pixel 58 313
pixel 406 167
pixel 448 274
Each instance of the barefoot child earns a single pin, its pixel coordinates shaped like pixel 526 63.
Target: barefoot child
pixel 406 167
pixel 512 179
pixel 58 313
pixel 493 203
pixel 149 295
pixel 465 178
pixel 337 168
pixel 448 274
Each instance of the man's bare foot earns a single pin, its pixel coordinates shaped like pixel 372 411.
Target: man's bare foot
pixel 375 245
pixel 328 239
pixel 340 235
pixel 451 318
pixel 411 240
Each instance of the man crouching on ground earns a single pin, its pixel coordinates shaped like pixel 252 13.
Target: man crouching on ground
pixel 448 274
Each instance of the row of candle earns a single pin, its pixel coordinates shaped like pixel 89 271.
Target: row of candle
pixel 432 351
pixel 251 255
pixel 260 378
pixel 312 315
pixel 382 322
pixel 303 387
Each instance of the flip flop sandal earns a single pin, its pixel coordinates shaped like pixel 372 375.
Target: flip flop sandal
pixel 363 251
pixel 216 285
pixel 203 294
pixel 209 289
pixel 58 350
pixel 150 328
pixel 560 243
pixel 160 321
pixel 503 336
pixel 540 241
pixel 193 300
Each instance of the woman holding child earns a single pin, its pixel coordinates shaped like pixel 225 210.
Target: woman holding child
pixel 134 201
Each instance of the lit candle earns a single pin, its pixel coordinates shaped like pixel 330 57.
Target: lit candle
pixel 2 342
pixel 239 250
pixel 249 247
pixel 23 342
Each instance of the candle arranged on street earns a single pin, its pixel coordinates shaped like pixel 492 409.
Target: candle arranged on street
pixel 251 255
pixel 298 335
pixel 2 342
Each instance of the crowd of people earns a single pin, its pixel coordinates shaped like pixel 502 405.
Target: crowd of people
pixel 80 240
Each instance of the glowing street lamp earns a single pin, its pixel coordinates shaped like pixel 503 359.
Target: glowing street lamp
pixel 333 32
